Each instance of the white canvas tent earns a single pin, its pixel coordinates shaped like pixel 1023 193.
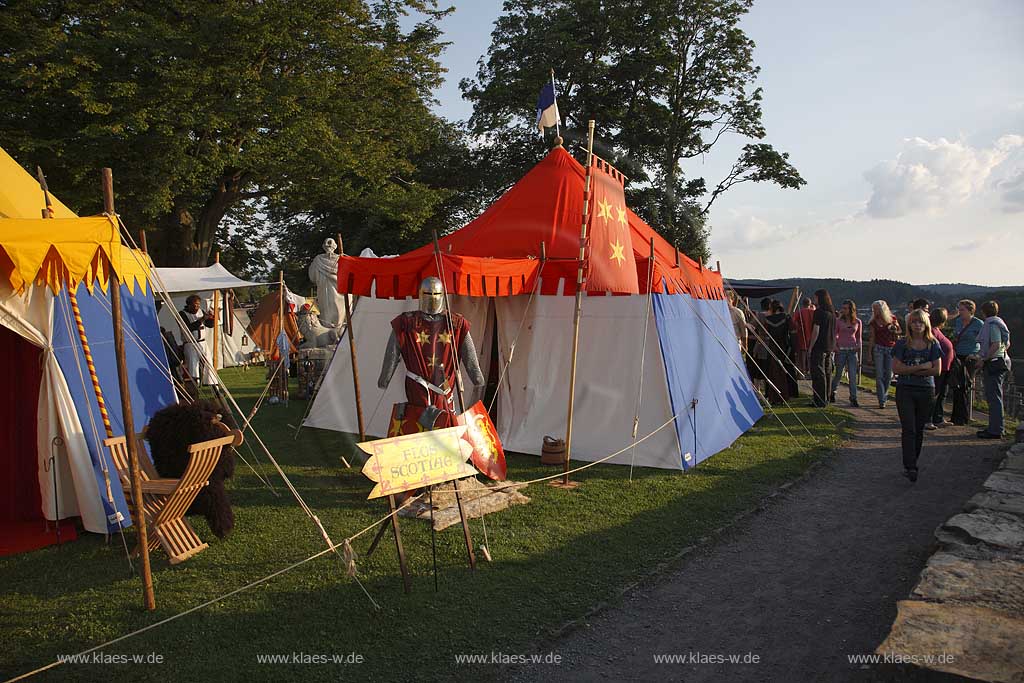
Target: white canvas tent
pixel 696 395
pixel 235 345
pixel 534 393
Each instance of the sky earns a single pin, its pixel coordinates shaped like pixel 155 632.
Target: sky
pixel 905 118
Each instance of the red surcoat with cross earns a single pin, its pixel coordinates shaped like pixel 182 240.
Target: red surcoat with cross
pixel 428 350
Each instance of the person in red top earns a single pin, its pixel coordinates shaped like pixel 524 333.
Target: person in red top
pixel 802 323
pixel 883 330
pixel 938 318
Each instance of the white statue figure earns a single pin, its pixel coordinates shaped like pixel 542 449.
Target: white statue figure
pixel 323 271
pixel 314 334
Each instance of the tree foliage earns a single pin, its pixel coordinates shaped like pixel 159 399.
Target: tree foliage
pixel 447 167
pixel 205 108
pixel 665 80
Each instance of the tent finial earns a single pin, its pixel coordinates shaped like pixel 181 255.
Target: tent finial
pixel 558 141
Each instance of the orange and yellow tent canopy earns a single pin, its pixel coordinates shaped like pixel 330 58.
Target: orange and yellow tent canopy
pixel 63 251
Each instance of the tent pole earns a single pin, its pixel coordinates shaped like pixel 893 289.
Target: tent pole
pixel 48 211
pixel 565 483
pixel 352 353
pixel 466 535
pixel 282 352
pixel 643 356
pixel 216 321
pixel 126 402
pixel 794 299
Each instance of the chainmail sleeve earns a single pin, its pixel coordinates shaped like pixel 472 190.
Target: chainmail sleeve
pixel 470 362
pixel 391 357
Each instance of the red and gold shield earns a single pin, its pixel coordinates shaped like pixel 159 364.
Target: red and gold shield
pixel 488 454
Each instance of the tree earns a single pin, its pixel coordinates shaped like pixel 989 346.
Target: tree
pixel 200 107
pixel 442 194
pixel 665 80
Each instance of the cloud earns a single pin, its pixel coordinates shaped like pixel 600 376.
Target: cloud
pixel 981 242
pixel 749 231
pixel 1012 192
pixel 930 177
pixel 973 245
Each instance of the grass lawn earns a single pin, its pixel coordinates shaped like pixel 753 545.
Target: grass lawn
pixel 553 560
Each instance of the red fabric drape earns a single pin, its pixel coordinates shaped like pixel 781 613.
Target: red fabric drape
pixel 20 499
pixel 498 253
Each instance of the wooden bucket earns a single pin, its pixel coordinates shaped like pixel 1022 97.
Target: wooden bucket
pixel 553 451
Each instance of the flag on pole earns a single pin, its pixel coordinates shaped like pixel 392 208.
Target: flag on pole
pixel 547 107
pixel 612 264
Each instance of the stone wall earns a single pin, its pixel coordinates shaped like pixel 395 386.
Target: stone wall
pixel 966 614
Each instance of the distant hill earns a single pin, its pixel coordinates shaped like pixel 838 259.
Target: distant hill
pixel 897 293
pixel 964 290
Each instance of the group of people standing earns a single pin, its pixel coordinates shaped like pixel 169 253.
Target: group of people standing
pixel 927 363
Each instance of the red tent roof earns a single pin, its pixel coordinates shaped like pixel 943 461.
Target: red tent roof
pixel 499 252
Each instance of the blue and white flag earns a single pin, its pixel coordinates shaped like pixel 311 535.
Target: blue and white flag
pixel 547 107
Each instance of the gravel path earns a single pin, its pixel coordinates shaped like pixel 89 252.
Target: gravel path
pixel 809 580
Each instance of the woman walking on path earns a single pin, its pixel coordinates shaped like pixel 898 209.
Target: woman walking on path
pixel 916 360
pixel 883 330
pixel 938 318
pixel 848 341
pixel 823 342
pixel 966 329
pixel 994 341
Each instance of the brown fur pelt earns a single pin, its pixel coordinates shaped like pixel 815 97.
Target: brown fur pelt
pixel 171 431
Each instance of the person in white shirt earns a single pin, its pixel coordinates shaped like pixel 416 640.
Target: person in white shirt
pixel 195 320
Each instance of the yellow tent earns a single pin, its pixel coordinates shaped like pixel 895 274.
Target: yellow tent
pixel 20 196
pixel 39 259
pixel 63 251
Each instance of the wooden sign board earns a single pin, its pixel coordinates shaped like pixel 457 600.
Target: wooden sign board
pixel 414 461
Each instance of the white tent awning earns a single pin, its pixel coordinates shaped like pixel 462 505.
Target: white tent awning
pixel 201 279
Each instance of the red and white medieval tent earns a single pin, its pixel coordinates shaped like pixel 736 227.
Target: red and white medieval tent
pixel 517 296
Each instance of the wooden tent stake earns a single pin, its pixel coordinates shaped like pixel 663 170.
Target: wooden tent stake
pixel 126 403
pixel 376 539
pixel 406 580
pixel 433 534
pixel 565 483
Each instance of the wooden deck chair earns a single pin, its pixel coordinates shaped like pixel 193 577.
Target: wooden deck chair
pixel 165 501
